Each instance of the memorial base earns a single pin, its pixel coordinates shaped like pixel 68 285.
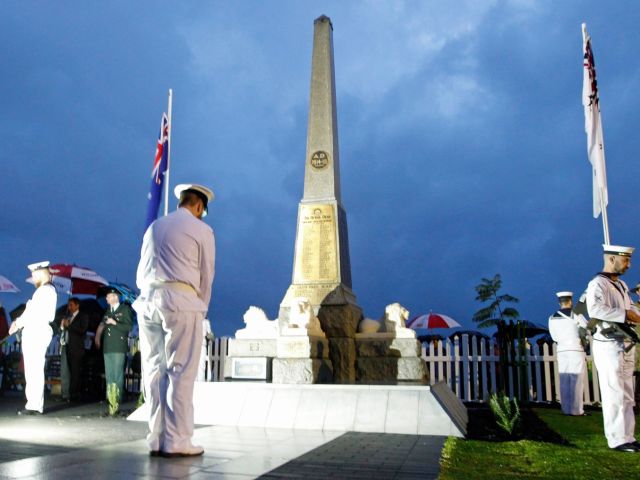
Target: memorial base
pixel 248 368
pixel 391 371
pixel 414 410
pixel 245 347
pixel 385 345
pixel 302 370
pixel 302 347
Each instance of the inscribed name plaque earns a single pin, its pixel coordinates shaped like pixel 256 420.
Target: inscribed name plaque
pixel 253 368
pixel 317 252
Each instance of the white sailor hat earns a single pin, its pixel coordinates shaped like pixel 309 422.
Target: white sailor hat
pixel 205 194
pixel 564 294
pixel 198 189
pixel 39 266
pixel 617 250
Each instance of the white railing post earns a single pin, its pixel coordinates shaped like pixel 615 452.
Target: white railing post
pixel 484 369
pixel 475 374
pixel 493 358
pixel 530 359
pixel 538 370
pixel 466 383
pixel 455 357
pixel 442 363
pixel 556 375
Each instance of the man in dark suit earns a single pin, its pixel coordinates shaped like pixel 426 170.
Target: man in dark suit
pixel 73 328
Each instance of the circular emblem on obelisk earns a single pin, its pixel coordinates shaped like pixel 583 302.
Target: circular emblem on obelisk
pixel 319 160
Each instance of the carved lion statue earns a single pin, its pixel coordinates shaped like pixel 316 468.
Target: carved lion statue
pixel 257 325
pixel 254 315
pixel 395 321
pixel 301 316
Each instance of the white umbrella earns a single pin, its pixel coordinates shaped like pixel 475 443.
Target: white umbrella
pixel 7 286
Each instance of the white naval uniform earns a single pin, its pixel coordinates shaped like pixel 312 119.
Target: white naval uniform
pixel 572 361
pixel 36 336
pixel 608 301
pixel 174 275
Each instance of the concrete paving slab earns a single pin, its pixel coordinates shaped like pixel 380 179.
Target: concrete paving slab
pixel 79 441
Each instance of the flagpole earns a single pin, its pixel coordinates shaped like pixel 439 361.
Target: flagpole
pixel 605 221
pixel 166 175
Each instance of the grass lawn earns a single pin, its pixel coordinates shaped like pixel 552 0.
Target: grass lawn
pixel 552 445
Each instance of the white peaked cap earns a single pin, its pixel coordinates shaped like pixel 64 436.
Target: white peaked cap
pixel 38 266
pixel 564 294
pixel 196 188
pixel 618 250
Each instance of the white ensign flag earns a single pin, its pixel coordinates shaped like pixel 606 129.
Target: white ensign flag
pixel 593 127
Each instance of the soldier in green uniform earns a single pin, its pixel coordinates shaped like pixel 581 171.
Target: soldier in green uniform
pixel 113 335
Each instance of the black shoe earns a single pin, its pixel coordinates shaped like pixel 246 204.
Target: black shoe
pixel 24 411
pixel 636 444
pixel 627 447
pixel 155 453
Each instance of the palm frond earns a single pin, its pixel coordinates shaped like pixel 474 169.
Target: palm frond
pixel 510 312
pixel 508 298
pixel 483 314
pixel 491 322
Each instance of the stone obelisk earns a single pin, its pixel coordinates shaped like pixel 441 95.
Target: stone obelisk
pixel 322 270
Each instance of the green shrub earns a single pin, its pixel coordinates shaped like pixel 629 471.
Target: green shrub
pixel 506 412
pixel 140 400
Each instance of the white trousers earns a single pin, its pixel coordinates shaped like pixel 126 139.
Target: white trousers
pixel 572 367
pixel 615 375
pixel 34 352
pixel 170 352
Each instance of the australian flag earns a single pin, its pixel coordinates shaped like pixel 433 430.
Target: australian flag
pixel 160 165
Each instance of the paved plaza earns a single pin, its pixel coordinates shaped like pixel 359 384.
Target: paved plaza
pixel 78 441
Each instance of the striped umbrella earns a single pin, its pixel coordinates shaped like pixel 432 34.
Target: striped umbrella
pixel 432 320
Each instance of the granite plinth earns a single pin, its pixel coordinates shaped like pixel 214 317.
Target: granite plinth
pixel 302 347
pixel 389 370
pixel 343 357
pixel 340 320
pixel 383 345
pixel 302 370
pixel 254 347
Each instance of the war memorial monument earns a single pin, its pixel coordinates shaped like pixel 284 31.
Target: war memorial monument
pixel 320 335
pixel 321 364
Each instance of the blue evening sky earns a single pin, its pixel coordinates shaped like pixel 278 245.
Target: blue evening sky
pixel 462 143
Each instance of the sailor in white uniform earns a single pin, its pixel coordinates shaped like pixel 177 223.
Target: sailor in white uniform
pixel 565 328
pixel 609 306
pixel 174 275
pixel 36 335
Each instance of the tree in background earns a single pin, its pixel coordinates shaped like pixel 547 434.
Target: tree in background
pixel 497 313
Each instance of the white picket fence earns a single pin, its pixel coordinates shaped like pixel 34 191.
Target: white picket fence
pixel 469 365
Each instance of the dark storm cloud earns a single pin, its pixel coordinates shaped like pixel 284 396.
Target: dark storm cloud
pixel 461 133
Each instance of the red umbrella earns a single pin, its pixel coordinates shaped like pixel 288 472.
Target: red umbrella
pixel 7 286
pixel 432 320
pixel 69 278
